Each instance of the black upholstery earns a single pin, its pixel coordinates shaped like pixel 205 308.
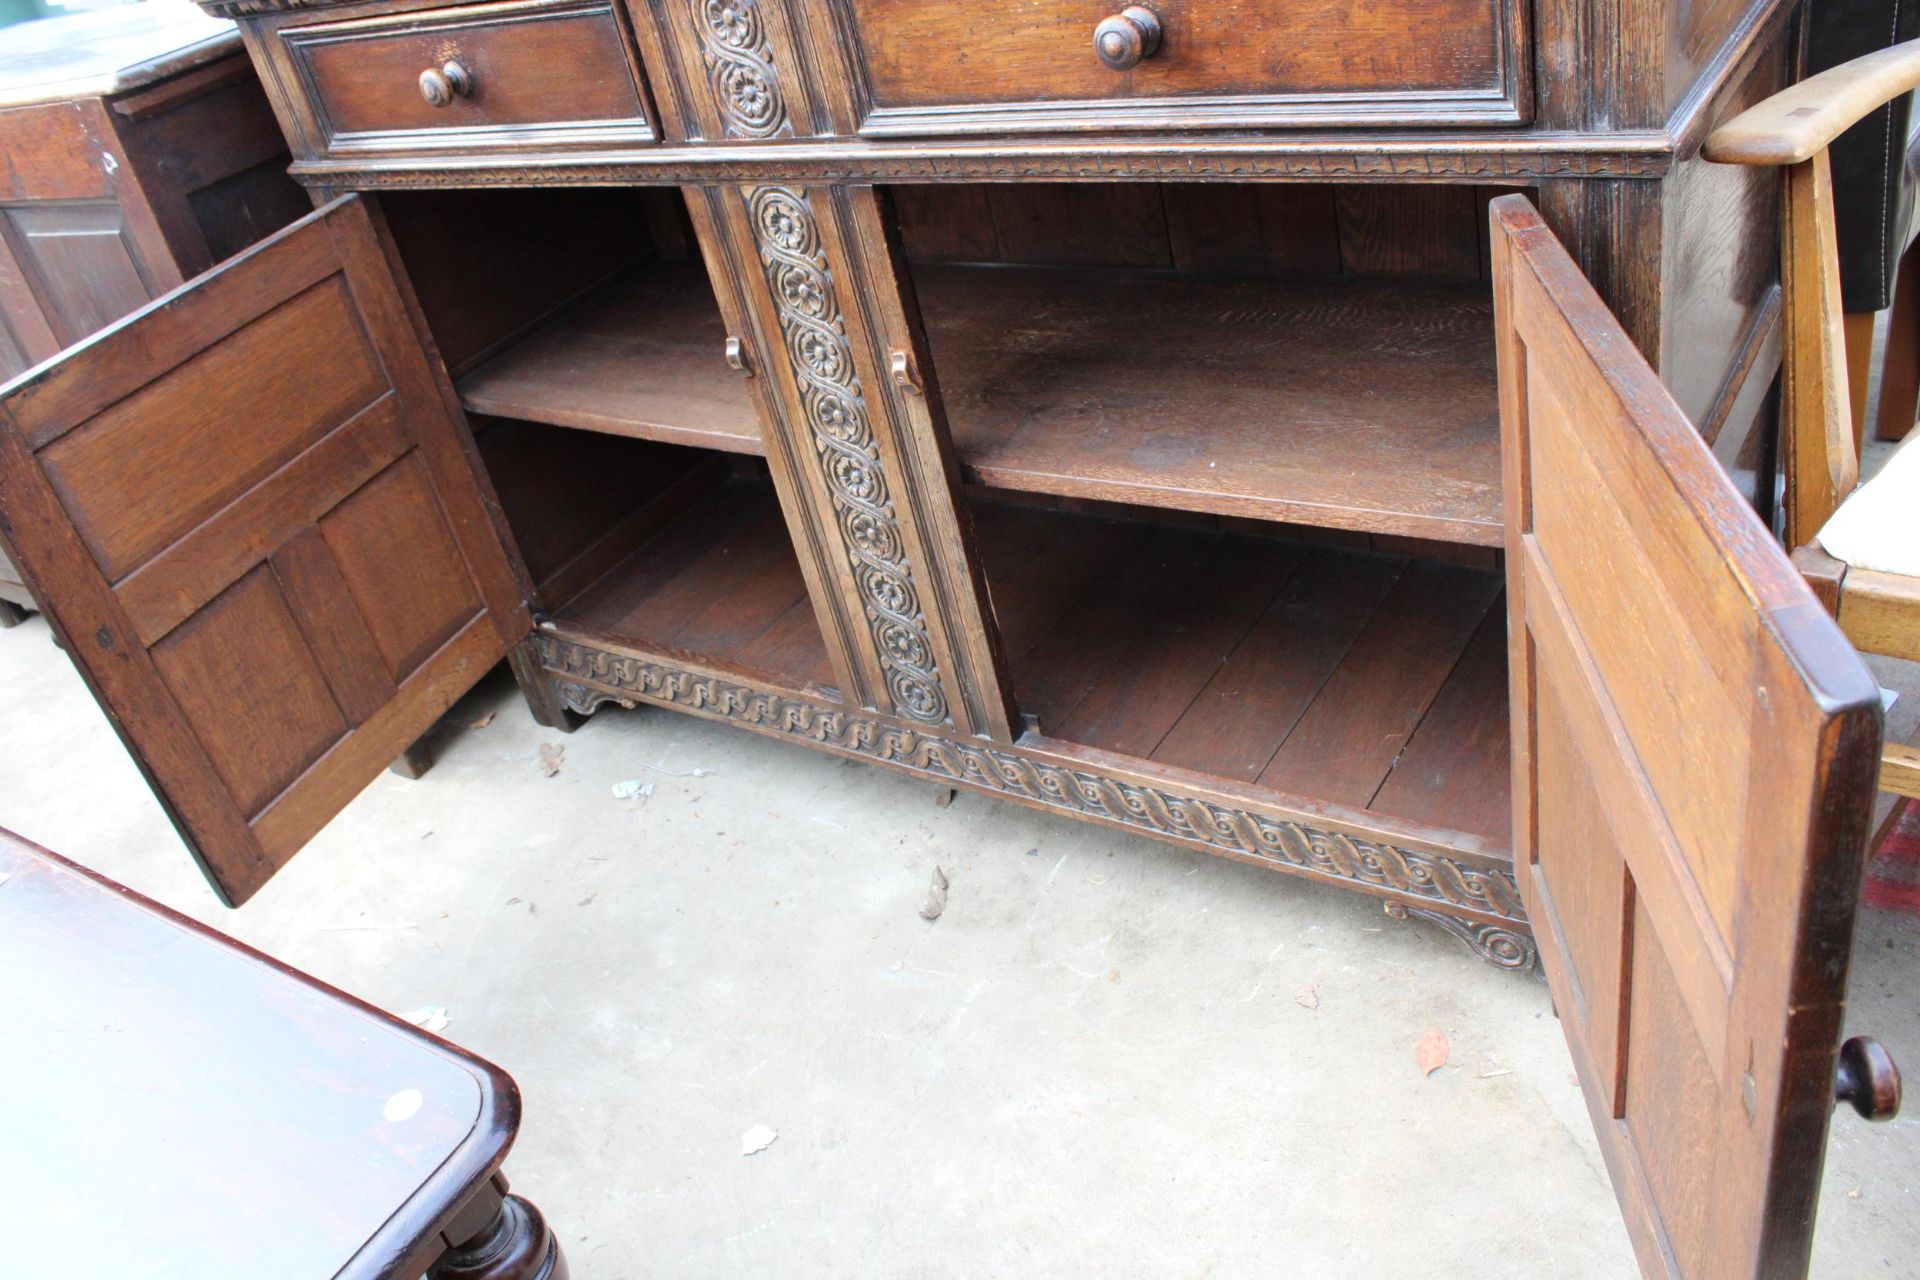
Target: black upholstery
pixel 1874 188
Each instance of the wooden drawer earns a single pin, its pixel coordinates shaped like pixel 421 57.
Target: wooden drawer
pixel 931 67
pixel 474 78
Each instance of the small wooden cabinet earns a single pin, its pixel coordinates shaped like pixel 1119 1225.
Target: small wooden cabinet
pixel 136 150
pixel 1234 486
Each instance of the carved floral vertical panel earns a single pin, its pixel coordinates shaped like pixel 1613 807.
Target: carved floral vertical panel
pixel 787 235
pixel 739 63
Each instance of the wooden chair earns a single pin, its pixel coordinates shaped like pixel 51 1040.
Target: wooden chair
pixel 1858 545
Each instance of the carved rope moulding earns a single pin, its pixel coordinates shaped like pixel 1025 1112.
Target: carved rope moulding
pixel 591 677
pixel 746 84
pixel 821 359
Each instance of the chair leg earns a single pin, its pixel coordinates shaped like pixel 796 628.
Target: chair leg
pixel 1858 328
pixel 1900 367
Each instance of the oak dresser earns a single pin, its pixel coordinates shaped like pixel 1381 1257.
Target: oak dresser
pixel 1094 405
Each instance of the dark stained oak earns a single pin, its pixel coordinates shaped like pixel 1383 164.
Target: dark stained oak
pixel 720 581
pixel 1347 676
pixel 948 66
pixel 1353 403
pixel 198 1109
pixel 275 570
pixel 1694 750
pixel 643 356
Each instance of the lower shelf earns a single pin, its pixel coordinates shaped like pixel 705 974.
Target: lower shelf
pixel 720 580
pixel 1371 681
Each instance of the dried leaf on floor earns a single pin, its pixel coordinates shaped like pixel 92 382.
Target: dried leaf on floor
pixel 936 897
pixel 945 798
pixel 550 754
pixel 1309 998
pixel 431 1017
pixel 758 1138
pixel 1431 1053
pixel 483 721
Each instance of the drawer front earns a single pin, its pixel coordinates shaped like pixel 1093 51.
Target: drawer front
pixel 960 66
pixel 478 77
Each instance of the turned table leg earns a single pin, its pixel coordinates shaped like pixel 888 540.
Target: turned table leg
pixel 512 1241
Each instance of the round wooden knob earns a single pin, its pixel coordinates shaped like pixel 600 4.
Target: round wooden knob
pixel 1867 1079
pixel 1126 37
pixel 441 85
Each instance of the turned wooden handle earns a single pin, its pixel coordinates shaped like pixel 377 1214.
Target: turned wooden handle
pixel 441 85
pixel 1867 1079
pixel 1128 36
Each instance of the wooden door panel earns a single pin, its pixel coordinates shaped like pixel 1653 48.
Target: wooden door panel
pixel 83 261
pixel 269 547
pixel 1694 748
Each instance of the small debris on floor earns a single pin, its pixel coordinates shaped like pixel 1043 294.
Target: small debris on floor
pixel 945 798
pixel 758 1138
pixel 550 754
pixel 1309 998
pixel 483 721
pixel 676 773
pixel 1854 1194
pixel 936 897
pixel 1431 1053
pixel 632 789
pixel 1033 853
pixel 430 1017
pixel 1113 975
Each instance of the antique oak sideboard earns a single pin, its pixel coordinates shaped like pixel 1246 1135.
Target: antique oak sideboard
pixel 1094 405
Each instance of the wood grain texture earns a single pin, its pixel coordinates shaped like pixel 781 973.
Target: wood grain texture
pixel 97 488
pixel 562 74
pixel 643 356
pixel 1696 700
pixel 1255 397
pixel 920 65
pixel 1280 665
pixel 721 582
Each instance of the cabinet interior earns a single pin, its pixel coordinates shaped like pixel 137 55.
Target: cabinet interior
pixel 1231 452
pixel 1319 664
pixel 621 446
pixel 1314 353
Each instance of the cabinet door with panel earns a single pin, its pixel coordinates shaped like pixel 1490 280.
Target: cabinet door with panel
pixel 1694 747
pixel 254 514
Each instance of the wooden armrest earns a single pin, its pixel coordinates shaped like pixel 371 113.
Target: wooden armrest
pixel 1797 124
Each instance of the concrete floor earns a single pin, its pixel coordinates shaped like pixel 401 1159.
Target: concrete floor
pixel 1095 1063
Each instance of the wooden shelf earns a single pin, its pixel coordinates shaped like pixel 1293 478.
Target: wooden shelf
pixel 720 581
pixel 1354 678
pixel 1353 403
pixel 641 356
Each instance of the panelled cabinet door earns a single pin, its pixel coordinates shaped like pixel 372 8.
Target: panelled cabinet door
pixel 251 514
pixel 1694 747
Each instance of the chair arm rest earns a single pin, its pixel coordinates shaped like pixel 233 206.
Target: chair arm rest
pixel 1797 123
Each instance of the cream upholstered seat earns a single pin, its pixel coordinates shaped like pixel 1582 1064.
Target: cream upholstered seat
pixel 1878 525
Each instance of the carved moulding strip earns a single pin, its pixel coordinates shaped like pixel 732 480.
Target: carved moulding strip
pixel 1433 880
pixel 821 359
pixel 1633 156
pixel 746 84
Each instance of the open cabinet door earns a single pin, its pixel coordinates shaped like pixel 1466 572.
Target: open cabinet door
pixel 251 514
pixel 1694 747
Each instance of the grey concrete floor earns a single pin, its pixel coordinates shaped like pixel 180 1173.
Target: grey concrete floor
pixel 1094 1064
